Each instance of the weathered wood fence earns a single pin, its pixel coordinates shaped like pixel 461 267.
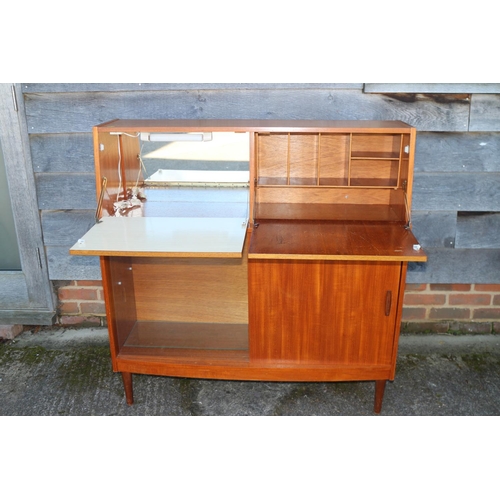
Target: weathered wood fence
pixel 456 203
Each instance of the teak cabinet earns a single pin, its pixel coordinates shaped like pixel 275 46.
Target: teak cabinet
pixel 287 263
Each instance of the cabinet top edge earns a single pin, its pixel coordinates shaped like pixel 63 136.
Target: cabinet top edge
pixel 230 125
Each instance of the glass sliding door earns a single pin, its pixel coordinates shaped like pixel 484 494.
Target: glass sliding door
pixel 9 250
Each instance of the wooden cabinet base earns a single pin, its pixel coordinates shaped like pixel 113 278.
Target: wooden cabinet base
pixel 306 375
pixel 308 321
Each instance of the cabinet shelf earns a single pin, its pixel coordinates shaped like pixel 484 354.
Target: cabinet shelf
pixel 335 185
pixel 375 156
pixel 180 335
pixel 330 160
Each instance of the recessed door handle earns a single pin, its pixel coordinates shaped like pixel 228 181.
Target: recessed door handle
pixel 388 303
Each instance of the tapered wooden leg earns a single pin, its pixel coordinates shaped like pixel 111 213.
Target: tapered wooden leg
pixel 379 395
pixel 127 383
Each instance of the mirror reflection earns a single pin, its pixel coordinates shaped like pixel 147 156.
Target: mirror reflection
pixel 219 152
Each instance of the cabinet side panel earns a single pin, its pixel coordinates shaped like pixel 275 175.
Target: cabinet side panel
pixel 399 315
pixel 117 159
pixel 119 297
pixel 107 159
pixel 410 168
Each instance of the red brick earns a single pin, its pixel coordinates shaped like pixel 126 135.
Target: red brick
pixel 449 313
pixel 413 313
pixel 69 308
pixel 92 308
pixel 487 313
pixel 450 287
pixel 496 300
pixel 10 331
pixel 78 320
pixel 66 294
pixel 487 288
pixel 424 299
pixel 471 299
pixel 71 320
pixel 415 287
pixel 88 283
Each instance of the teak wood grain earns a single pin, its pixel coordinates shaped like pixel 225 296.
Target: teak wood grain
pixel 320 311
pixel 332 240
pixel 191 290
pixel 234 365
pixel 268 126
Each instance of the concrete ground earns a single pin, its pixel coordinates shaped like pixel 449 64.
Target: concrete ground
pixel 58 371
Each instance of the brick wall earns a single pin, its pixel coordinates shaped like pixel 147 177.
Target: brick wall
pixel 427 307
pixel 80 303
pixel 454 307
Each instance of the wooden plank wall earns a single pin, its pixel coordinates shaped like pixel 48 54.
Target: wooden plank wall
pixel 457 173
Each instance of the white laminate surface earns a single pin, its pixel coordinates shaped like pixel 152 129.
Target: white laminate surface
pixel 164 236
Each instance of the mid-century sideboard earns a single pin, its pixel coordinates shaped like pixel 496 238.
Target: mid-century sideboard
pixel 254 249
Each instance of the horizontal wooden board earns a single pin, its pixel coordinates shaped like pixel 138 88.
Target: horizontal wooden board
pixel 330 211
pixel 65 227
pixel 435 229
pixel 456 266
pixel 433 88
pixel 62 153
pixel 234 365
pixel 63 266
pixel 78 112
pixel 117 87
pixel 478 230
pixel 306 240
pixel 467 191
pixel 485 113
pixel 66 191
pixel 457 152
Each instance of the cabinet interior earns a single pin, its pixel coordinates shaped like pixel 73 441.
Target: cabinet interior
pixel 332 176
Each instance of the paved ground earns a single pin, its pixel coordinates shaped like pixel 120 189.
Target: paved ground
pixel 68 372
